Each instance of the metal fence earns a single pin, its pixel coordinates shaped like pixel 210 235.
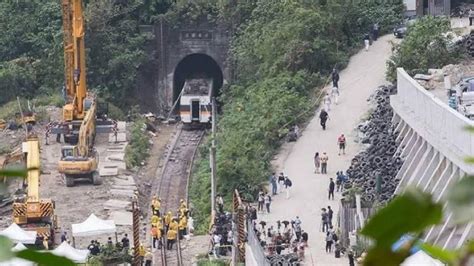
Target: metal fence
pixel 257 250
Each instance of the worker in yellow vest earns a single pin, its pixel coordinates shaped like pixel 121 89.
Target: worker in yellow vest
pixel 183 224
pixel 155 219
pixel 156 205
pixel 171 238
pixel 168 218
pixel 141 253
pixel 174 225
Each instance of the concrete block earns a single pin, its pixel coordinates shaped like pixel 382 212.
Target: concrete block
pixel 122 192
pixel 121 137
pixel 125 187
pixel 122 217
pixel 116 164
pixel 119 156
pixel 122 126
pixel 114 204
pixel 108 171
pixel 117 148
pixel 124 181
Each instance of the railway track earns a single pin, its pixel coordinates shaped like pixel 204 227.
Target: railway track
pixel 173 184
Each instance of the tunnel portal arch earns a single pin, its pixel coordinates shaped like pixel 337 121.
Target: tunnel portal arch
pixel 197 65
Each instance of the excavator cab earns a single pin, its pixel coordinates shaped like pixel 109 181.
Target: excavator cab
pixel 68 152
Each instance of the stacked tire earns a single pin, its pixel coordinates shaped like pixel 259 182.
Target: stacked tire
pixel 470 43
pixel 373 171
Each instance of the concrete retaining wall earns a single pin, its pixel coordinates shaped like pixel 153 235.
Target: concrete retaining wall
pixel 434 143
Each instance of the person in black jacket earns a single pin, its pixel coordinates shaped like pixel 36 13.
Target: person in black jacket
pixel 323 116
pixel 332 185
pixel 335 78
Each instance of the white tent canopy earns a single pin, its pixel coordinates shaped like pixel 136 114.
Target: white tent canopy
pixel 93 226
pixel 76 255
pixel 420 258
pixel 18 235
pixel 17 261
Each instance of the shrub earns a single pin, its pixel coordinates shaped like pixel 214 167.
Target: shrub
pixel 424 47
pixel 137 149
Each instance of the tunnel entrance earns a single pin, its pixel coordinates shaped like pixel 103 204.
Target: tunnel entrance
pixel 197 66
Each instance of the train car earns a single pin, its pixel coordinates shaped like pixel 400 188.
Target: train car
pixel 195 103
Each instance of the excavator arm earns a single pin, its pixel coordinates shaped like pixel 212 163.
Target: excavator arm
pixel 74 60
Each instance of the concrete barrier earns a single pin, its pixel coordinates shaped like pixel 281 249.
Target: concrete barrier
pixel 434 144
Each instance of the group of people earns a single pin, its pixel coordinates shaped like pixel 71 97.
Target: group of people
pixel 167 227
pixel 329 98
pixel 221 235
pixel 278 184
pixel 375 34
pixel 285 235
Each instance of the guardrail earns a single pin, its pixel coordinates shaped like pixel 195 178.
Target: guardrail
pixel 440 125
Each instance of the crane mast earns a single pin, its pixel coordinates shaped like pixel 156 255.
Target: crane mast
pixel 74 60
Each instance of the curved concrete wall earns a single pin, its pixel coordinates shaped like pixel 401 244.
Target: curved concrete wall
pixel 433 144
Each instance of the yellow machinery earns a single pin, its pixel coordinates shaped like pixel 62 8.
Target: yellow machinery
pixel 81 161
pixel 78 102
pixel 33 213
pixel 79 113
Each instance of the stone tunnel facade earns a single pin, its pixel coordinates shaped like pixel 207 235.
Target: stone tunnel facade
pixel 177 53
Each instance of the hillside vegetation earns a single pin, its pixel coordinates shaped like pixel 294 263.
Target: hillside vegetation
pixel 283 52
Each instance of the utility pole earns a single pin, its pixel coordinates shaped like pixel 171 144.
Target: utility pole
pixel 136 233
pixel 213 157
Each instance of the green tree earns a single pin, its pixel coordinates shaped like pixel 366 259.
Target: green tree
pixel 424 47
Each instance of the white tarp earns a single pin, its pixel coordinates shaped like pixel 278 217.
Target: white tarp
pixel 93 226
pixel 76 255
pixel 16 261
pixel 420 258
pixel 18 235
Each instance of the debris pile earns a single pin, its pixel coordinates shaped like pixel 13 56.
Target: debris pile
pixel 373 171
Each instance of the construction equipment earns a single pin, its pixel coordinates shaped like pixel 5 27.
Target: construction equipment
pixel 31 212
pixel 79 113
pixel 78 102
pixel 81 161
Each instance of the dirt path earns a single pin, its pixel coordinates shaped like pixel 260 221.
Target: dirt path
pixel 309 192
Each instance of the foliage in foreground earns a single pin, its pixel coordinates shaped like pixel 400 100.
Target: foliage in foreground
pixel 281 53
pixel 413 213
pixel 424 47
pixel 137 149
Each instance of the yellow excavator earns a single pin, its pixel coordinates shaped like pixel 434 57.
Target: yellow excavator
pixel 78 160
pixel 32 213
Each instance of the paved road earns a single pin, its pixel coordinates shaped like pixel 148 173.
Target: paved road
pixel 364 73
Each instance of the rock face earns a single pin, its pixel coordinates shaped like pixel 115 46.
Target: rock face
pixel 379 161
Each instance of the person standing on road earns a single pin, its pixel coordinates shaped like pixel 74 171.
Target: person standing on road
pixel 268 201
pixel 328 242
pixel 317 162
pixel 324 163
pixel 323 116
pixel 366 41
pixel 335 94
pixel 171 237
pixel 342 144
pixel 331 189
pixel 330 213
pixel 261 200
pixel 335 78
pixel 273 182
pixel 281 182
pixel 327 102
pixel 375 31
pixel 350 256
pixel 288 185
pixel 324 220
pixel 471 16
